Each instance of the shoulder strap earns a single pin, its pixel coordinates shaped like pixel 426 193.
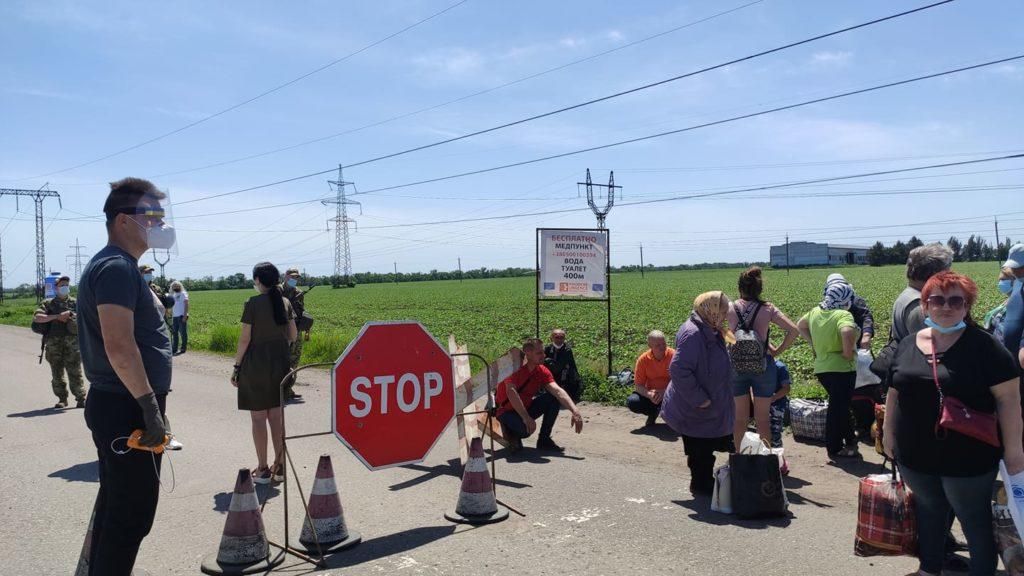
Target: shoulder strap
pixel 519 389
pixel 744 323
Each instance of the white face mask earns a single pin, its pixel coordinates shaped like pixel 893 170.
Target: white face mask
pixel 161 238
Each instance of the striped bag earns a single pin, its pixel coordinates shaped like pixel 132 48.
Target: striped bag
pixel 886 525
pixel 807 418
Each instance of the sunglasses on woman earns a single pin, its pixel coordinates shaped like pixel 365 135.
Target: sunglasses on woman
pixel 955 302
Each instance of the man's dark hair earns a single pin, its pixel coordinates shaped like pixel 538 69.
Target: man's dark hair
pixel 126 193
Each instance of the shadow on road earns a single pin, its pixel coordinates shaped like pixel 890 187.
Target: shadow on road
pixel 701 508
pixel 33 413
pixel 660 431
pixel 85 472
pixel 264 492
pixel 533 456
pixel 383 546
pixel 452 468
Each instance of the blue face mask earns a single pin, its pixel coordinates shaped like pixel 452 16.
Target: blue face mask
pixel 292 282
pixel 147 277
pixel 63 291
pixel 1005 286
pixel 944 329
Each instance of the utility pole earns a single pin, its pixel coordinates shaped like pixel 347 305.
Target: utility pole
pixel 610 188
pixel 342 251
pixel 37 196
pixel 76 260
pixel 997 232
pixel 787 253
pixel 396 272
pixel 167 258
pixel 460 269
pixel 641 260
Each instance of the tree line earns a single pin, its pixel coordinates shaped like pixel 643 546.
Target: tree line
pixel 976 249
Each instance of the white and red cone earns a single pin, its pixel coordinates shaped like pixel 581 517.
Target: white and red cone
pixel 243 545
pixel 326 516
pixel 477 503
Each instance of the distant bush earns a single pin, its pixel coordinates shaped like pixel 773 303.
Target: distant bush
pixel 224 338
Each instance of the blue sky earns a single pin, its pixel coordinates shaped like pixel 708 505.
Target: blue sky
pixel 80 81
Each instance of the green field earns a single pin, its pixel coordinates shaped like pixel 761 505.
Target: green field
pixel 492 315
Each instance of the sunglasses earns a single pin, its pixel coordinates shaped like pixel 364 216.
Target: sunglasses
pixel 954 302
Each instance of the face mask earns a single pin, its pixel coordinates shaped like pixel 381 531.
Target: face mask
pixel 1005 286
pixel 158 237
pixel 292 282
pixel 178 290
pixel 147 277
pixel 944 329
pixel 63 291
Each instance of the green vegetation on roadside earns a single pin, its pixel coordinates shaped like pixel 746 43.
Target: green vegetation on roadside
pixel 491 315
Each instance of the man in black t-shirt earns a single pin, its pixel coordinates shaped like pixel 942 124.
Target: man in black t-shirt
pixel 559 359
pixel 126 352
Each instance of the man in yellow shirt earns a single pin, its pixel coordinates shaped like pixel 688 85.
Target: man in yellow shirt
pixel 651 377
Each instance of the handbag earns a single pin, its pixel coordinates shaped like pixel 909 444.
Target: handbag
pixel 756 485
pixel 956 416
pixel 886 525
pixel 721 497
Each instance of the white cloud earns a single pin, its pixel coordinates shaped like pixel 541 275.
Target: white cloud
pixel 40 93
pixel 451 61
pixel 615 36
pixel 1014 71
pixel 832 58
pixel 849 139
pixel 573 41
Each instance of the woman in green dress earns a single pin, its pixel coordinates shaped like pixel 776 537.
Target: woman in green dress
pixel 261 363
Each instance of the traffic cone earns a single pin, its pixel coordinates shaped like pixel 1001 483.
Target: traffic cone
pixel 477 504
pixel 243 546
pixel 324 530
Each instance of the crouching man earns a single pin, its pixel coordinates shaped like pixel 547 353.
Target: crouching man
pixel 520 401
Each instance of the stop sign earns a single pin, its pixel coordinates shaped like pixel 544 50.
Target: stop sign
pixel 392 394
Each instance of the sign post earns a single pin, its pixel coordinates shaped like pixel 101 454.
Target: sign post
pixel 573 264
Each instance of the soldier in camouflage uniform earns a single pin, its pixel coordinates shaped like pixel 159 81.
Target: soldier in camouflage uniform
pixel 161 296
pixel 62 344
pixel 291 291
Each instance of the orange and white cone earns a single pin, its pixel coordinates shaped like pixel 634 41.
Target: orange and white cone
pixel 243 546
pixel 324 529
pixel 477 504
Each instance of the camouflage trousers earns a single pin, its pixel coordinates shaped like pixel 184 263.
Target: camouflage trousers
pixel 294 356
pixel 63 355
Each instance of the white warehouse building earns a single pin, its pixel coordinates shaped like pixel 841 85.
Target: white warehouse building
pixel 816 254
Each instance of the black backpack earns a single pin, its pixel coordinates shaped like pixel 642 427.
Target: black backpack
pixel 747 354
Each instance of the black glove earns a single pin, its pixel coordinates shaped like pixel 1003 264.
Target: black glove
pixel 155 430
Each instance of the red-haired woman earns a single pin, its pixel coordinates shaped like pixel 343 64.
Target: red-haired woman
pixel 952 361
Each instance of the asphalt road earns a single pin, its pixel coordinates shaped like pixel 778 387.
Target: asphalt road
pixel 615 503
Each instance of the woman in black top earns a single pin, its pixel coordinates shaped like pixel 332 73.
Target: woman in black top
pixel 261 363
pixel 945 469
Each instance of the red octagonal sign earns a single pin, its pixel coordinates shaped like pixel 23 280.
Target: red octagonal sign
pixel 392 394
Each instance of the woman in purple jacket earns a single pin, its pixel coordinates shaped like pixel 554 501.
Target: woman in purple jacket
pixel 699 403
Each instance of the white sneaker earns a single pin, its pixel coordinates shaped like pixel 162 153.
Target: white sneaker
pixel 173 444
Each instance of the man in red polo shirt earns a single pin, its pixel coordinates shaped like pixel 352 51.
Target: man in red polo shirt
pixel 520 402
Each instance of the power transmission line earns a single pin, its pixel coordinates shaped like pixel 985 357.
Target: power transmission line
pixel 620 94
pixel 720 193
pixel 697 126
pixel 251 99
pixel 461 98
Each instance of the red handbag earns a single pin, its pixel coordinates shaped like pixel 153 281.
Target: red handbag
pixel 959 417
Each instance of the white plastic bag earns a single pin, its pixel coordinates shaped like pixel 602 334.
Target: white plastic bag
pixel 865 377
pixel 721 498
pixel 752 444
pixel 1014 486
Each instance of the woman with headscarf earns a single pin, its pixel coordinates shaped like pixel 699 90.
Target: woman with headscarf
pixel 698 403
pixel 832 333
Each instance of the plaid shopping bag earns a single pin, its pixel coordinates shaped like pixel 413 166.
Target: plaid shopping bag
pixel 807 418
pixel 886 525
